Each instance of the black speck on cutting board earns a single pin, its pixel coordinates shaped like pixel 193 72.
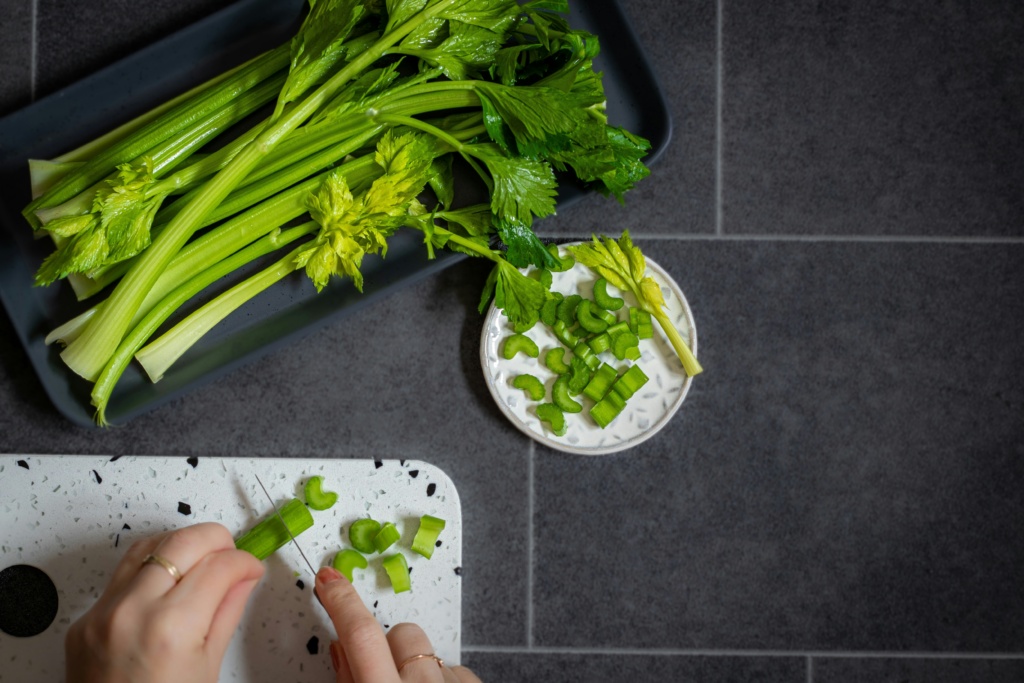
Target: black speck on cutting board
pixel 99 479
pixel 431 488
pixel 402 462
pixel 313 645
pixel 458 571
pixel 117 540
pixel 28 601
pixel 184 508
pixel 414 473
pixel 437 544
pixel 22 463
pixel 375 603
pixel 300 584
pixel 115 458
pixel 194 461
pixel 126 527
pixel 377 463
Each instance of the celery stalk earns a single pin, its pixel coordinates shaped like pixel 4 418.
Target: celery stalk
pixel 104 386
pixel 270 535
pixel 88 354
pixel 157 356
pixel 174 121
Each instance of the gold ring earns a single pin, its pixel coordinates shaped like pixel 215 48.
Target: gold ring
pixel 440 662
pixel 166 564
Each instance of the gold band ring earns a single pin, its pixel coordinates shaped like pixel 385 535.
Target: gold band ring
pixel 440 662
pixel 166 564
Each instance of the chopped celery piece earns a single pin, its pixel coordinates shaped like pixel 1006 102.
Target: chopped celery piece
pixel 267 537
pixel 640 323
pixel 549 311
pixel 607 409
pixel 626 345
pixel 618 328
pixel 601 383
pixel 567 309
pixel 560 396
pixel 580 376
pixel 361 533
pixel 605 300
pixel 604 315
pixel 347 560
pixel 552 414
pixel 554 359
pixel 630 382
pixel 386 537
pixel 564 262
pixel 565 334
pixel 543 276
pixel 587 355
pixel 520 342
pixel 531 385
pixel 398 571
pixel 600 343
pixel 426 536
pixel 588 320
pixel 316 497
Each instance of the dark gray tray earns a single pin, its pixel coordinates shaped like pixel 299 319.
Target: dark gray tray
pixel 292 309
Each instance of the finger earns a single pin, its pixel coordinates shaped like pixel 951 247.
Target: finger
pixel 340 661
pixel 129 565
pixel 214 593
pixel 464 675
pixel 361 637
pixel 182 548
pixel 226 619
pixel 204 587
pixel 407 641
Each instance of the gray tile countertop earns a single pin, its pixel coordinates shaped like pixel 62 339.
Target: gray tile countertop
pixel 841 497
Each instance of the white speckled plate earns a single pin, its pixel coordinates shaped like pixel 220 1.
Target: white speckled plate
pixel 74 516
pixel 645 413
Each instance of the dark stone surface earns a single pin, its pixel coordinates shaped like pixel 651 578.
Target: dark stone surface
pixel 845 477
pixel 873 118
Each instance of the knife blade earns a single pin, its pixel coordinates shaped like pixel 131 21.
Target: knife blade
pixel 281 517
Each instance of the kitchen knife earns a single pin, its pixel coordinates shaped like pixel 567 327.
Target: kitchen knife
pixel 281 517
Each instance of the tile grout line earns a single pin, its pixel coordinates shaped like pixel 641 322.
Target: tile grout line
pixel 529 544
pixel 910 239
pixel 719 67
pixel 33 51
pixel 808 655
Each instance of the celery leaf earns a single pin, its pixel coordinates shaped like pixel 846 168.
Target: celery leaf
pixel 319 45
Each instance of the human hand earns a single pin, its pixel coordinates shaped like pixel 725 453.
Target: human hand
pixel 363 654
pixel 149 627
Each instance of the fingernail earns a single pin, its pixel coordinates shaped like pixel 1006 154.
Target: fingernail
pixel 334 654
pixel 327 575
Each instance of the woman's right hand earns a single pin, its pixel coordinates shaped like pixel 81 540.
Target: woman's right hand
pixel 363 654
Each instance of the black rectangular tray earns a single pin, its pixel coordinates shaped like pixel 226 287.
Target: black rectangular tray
pixel 291 309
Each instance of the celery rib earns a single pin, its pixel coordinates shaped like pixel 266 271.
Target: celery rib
pixel 87 355
pixel 104 387
pixel 157 356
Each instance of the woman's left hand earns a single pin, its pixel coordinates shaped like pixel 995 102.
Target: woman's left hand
pixel 157 623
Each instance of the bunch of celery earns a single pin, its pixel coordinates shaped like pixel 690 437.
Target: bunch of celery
pixel 371 101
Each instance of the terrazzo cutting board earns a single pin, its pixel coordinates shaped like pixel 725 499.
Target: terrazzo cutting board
pixel 74 516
